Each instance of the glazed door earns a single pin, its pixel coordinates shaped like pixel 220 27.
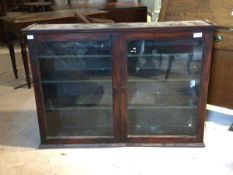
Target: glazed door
pixel 76 73
pixel 163 87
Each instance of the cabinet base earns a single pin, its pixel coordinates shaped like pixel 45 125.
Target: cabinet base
pixel 105 145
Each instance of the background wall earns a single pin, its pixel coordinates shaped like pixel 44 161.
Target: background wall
pixel 153 8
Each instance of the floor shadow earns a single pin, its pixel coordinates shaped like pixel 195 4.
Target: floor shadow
pixel 8 79
pixel 219 118
pixel 19 129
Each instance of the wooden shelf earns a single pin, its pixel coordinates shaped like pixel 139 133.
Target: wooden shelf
pixel 159 107
pixel 160 79
pixel 77 76
pixel 72 56
pixel 110 80
pixel 78 108
pixel 75 81
pixel 105 107
pixel 142 55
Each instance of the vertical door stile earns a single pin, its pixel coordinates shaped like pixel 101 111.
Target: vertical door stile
pixel 123 87
pixel 116 78
pixel 208 41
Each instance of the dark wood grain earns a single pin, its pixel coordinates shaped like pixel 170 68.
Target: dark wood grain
pixel 25 60
pixel 3 8
pixel 123 88
pixel 32 45
pixel 206 63
pixel 221 86
pixel 113 27
pixel 10 46
pixel 116 78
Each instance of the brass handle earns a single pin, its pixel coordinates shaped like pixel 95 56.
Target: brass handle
pixel 218 38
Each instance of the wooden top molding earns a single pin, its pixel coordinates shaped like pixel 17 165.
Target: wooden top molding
pixel 38 28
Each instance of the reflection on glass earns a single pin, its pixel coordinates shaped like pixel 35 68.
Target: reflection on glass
pixel 163 86
pixel 162 121
pixel 77 87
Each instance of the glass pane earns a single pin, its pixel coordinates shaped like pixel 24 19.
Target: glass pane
pixel 163 86
pixel 77 87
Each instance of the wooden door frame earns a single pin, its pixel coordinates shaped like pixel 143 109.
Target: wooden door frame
pixel 160 139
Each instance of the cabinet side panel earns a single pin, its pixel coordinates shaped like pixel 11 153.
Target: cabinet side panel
pixel 221 79
pixel 208 39
pixel 32 44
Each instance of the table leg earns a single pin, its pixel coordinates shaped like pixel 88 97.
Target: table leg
pixel 12 53
pixel 169 66
pixel 43 9
pixel 189 63
pixel 25 60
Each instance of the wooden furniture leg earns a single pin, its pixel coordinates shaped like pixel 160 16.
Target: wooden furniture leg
pixel 8 40
pixel 12 53
pixel 169 66
pixel 25 60
pixel 189 63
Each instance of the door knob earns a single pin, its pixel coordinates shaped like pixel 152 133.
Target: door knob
pixel 218 38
